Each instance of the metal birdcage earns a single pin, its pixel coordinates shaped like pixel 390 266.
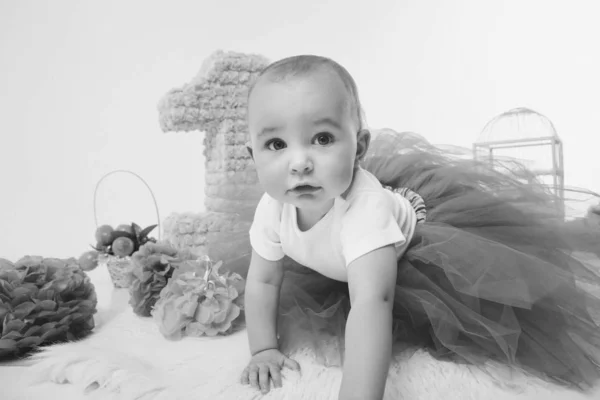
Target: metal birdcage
pixel 528 137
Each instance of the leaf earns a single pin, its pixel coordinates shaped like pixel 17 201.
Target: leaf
pixel 147 230
pixel 117 234
pixel 99 248
pixel 136 228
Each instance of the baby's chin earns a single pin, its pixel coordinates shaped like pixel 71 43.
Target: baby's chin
pixel 316 200
pixel 312 204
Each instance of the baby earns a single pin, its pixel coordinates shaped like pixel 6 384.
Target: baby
pixel 324 211
pixel 468 273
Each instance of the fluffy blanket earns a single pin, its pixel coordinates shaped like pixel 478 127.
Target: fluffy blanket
pixel 127 358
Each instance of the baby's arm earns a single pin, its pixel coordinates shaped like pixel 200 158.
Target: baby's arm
pixel 261 302
pixel 371 281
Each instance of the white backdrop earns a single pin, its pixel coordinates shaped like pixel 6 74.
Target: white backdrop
pixel 80 81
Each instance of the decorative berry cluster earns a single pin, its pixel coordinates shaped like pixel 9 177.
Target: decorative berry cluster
pixel 120 242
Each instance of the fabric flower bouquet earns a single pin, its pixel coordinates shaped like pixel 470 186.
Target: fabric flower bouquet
pixel 186 295
pixel 43 301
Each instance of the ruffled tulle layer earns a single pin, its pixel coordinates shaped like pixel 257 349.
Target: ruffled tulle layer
pixel 494 274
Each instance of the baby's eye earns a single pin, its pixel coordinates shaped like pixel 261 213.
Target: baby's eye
pixel 275 144
pixel 324 139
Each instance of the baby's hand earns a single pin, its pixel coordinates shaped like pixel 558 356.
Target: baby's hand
pixel 267 365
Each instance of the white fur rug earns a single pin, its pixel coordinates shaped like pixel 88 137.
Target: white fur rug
pixel 127 358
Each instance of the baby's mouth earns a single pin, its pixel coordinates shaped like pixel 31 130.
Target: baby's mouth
pixel 305 189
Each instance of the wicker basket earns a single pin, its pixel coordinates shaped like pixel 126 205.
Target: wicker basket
pixel 119 268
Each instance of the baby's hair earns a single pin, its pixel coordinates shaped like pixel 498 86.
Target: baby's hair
pixel 304 65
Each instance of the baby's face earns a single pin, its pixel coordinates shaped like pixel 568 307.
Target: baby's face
pixel 302 133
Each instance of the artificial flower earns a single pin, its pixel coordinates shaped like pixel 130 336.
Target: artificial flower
pixel 199 301
pixel 216 313
pixel 174 312
pixel 42 301
pixel 152 267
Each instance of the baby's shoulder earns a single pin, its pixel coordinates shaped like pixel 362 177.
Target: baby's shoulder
pixel 268 209
pixel 371 201
pixel 367 192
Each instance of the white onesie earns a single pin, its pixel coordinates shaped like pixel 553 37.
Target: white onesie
pixel 369 218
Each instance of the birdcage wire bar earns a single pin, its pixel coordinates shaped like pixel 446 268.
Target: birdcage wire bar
pixel 488 149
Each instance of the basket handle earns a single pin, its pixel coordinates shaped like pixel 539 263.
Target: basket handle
pixel 137 176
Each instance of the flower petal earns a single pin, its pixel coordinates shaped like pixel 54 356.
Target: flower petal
pixel 195 329
pixel 221 315
pixel 23 309
pixel 204 314
pixel 211 331
pixel 29 261
pixel 14 325
pixel 14 335
pixel 7 344
pixel 32 331
pixel 4 310
pixel 29 342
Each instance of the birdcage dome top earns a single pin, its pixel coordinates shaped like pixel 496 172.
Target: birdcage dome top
pixel 517 124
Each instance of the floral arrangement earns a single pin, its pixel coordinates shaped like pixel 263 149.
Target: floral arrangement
pixel 43 301
pixel 186 294
pixel 152 266
pixel 199 301
pixel 120 242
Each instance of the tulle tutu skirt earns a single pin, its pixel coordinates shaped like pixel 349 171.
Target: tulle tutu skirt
pixel 494 274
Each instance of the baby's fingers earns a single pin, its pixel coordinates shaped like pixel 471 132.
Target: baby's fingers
pixel 291 364
pixel 264 378
pixel 253 376
pixel 275 375
pixel 244 377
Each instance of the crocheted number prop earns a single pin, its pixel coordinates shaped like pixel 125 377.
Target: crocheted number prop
pixel 214 102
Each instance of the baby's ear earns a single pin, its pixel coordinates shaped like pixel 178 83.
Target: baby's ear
pixel 249 148
pixel 363 140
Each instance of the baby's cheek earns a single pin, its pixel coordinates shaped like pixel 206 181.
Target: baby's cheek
pixel 266 176
pixel 269 181
pixel 343 175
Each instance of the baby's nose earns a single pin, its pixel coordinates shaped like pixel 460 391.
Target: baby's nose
pixel 301 164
